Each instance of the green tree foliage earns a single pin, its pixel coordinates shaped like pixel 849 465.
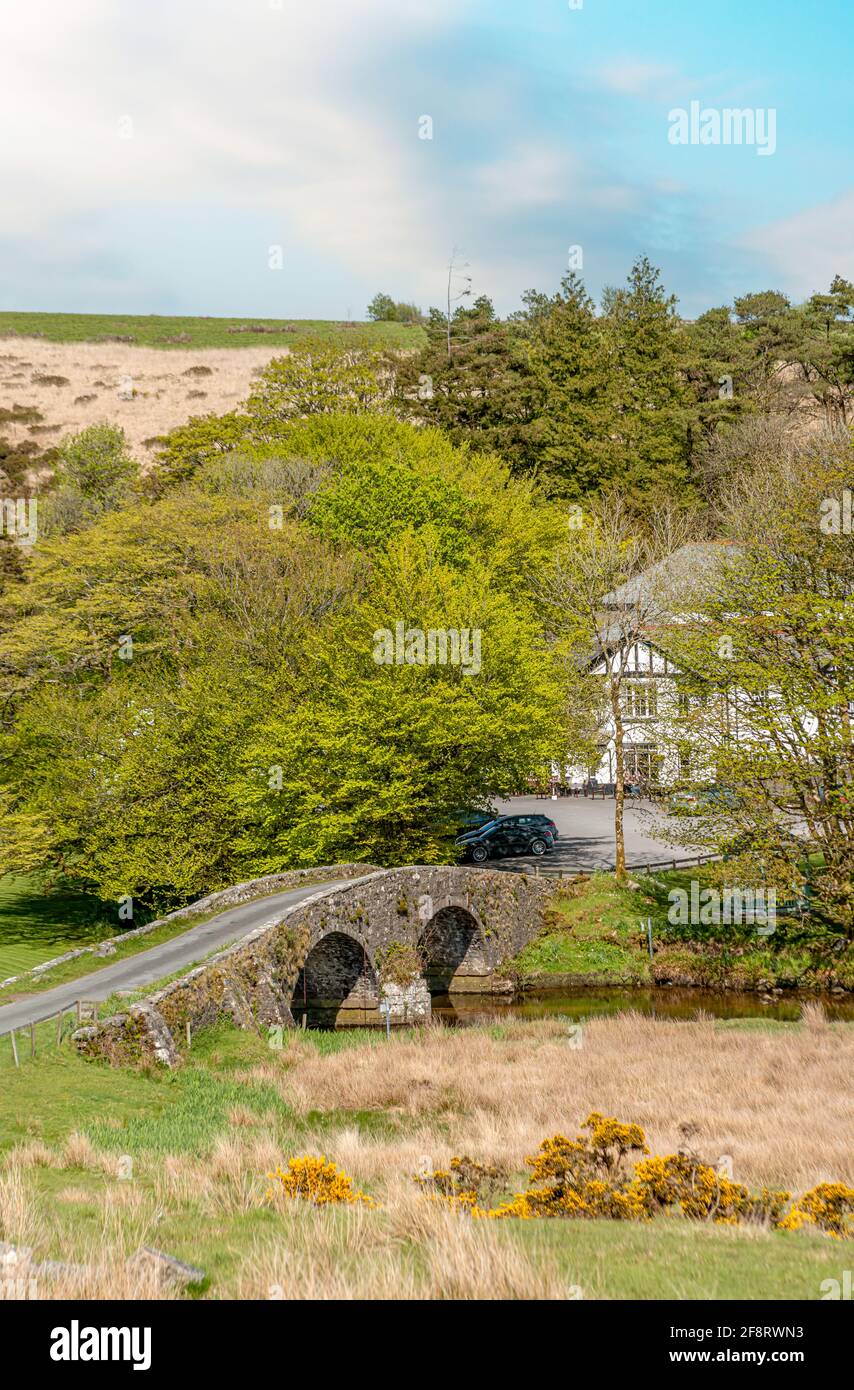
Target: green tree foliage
pixel 382 755
pixel 318 379
pixel 183 451
pixel 649 399
pixel 717 363
pixel 190 693
pixel 574 370
pixel 95 473
pixel 483 391
pixel 96 462
pixel 383 309
pixel 768 684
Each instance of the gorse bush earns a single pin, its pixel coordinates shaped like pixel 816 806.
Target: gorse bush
pixel 592 1176
pixel 465 1184
pixel 315 1180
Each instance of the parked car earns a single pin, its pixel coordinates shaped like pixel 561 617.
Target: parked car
pixel 534 820
pixel 471 821
pixel 499 840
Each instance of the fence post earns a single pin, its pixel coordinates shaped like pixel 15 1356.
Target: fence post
pixel 59 1028
pixel 14 1048
pixel 189 1034
pixel 32 1040
pixel 79 1012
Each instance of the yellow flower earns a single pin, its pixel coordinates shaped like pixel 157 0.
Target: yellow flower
pixel 314 1180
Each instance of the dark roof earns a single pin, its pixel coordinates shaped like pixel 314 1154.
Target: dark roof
pixel 676 575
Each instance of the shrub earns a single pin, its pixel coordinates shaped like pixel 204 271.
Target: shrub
pixel 97 464
pixel 314 1180
pixel 830 1206
pixel 587 1177
pixel 465 1184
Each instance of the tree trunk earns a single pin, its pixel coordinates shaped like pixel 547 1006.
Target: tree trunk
pixel 619 786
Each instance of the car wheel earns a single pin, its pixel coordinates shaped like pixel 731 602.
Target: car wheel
pixel 538 847
pixel 479 853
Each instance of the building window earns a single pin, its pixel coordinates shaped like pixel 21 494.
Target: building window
pixel 641 763
pixel 640 700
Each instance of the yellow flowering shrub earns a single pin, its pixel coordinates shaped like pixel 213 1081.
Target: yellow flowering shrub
pixel 581 1177
pixel 314 1180
pixel 695 1187
pixel 830 1206
pixel 611 1140
pixel 587 1177
pixel 464 1184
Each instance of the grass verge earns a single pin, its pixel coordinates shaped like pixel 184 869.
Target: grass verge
pixel 95 1162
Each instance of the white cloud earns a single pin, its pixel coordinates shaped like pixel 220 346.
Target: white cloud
pixel 634 77
pixel 528 176
pixel 809 248
pixel 242 105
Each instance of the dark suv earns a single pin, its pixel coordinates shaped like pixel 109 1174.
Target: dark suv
pixel 502 839
pixel 523 822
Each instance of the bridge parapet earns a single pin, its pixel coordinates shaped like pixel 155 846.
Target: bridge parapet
pixel 394 935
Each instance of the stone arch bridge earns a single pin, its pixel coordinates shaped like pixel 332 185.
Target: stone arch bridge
pixel 394 937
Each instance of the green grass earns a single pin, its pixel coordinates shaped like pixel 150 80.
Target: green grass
pixel 36 924
pixel 673 1258
pixel 596 932
pixel 149 1115
pixel 160 331
pixel 30 903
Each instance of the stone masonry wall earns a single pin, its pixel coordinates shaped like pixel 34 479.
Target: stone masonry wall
pixel 385 912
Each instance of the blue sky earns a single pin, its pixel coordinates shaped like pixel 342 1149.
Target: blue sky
pixel 153 154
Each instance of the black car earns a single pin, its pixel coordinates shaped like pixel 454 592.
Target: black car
pixel 499 840
pixel 470 822
pixel 533 821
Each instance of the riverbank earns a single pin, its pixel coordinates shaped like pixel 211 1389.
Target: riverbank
pixel 597 933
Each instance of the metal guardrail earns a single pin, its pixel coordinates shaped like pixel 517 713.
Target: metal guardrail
pixel 540 870
pixel 86 1010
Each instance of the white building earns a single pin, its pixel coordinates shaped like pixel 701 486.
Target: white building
pixel 635 622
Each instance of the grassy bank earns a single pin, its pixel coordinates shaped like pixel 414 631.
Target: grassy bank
pixel 36 924
pixel 596 934
pixel 58 913
pixel 201 1140
pixel 167 331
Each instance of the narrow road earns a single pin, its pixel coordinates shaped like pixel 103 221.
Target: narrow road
pixel 147 966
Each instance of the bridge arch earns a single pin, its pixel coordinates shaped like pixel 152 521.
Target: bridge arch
pixel 336 984
pixel 329 955
pixel 452 948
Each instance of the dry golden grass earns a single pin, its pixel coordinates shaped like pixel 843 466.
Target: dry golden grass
pixel 162 385
pixel 420 1250
pixel 778 1102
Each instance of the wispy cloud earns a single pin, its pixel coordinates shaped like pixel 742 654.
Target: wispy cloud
pixel 634 77
pixel 805 251
pixel 152 153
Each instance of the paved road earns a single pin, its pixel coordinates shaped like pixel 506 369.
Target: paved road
pixel 146 967
pixel 586 833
